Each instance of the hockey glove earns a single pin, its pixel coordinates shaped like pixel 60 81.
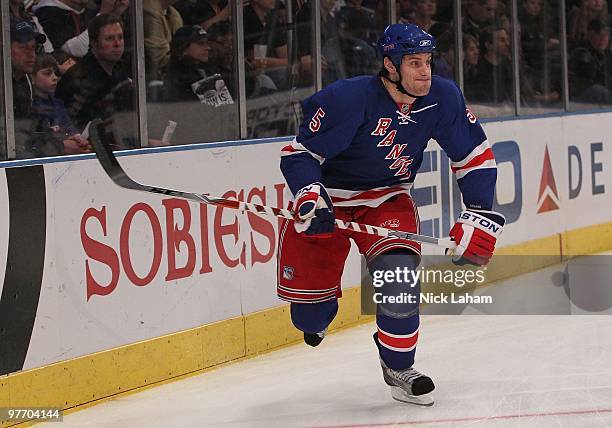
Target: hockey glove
pixel 314 210
pixel 476 232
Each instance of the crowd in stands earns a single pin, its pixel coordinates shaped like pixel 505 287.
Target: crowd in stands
pixel 74 60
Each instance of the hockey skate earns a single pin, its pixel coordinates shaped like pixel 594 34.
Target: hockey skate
pixel 313 339
pixel 409 386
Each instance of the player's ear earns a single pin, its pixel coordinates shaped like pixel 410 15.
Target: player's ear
pixel 388 64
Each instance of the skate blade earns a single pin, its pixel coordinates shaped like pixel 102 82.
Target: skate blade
pixel 420 400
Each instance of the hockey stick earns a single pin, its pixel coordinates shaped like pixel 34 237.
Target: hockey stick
pixel 99 139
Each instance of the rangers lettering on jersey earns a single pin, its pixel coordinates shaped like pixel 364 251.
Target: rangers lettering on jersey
pixel 396 151
pixel 402 164
pixel 381 127
pixel 365 155
pixel 388 140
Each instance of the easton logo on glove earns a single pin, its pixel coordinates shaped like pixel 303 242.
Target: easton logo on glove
pixel 476 233
pixel 482 222
pixel 314 208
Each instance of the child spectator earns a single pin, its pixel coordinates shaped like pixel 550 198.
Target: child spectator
pixel 49 112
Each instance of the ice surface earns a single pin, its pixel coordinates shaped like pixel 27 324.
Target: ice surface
pixel 493 371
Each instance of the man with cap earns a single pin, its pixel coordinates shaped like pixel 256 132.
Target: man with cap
pixel 355 158
pixel 24 45
pixel 187 78
pixel 24 42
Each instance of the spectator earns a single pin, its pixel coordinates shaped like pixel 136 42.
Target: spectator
pixel 265 43
pixel 445 11
pixel 359 56
pixel 471 54
pixel 365 21
pixel 161 21
pixel 331 54
pixel 222 52
pixel 405 11
pixel 424 12
pixel 580 17
pixel 65 22
pixel 494 70
pixel 444 58
pixel 478 15
pixel 64 61
pixel 97 85
pixel 537 33
pixel 187 78
pixel 204 13
pixel 24 41
pixel 540 49
pixel 591 66
pixel 49 113
pixel 18 10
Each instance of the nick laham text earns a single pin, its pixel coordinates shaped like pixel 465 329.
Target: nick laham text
pixel 429 298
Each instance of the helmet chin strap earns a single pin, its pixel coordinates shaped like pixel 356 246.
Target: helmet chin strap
pixel 399 85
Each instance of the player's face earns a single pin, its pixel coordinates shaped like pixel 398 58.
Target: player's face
pixel 416 73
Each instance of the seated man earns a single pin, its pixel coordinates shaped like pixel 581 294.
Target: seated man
pixel 591 66
pixel 65 22
pixel 24 42
pixel 265 45
pixel 332 63
pixel 494 69
pixel 97 85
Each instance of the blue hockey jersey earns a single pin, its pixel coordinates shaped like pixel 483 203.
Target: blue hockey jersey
pixel 365 148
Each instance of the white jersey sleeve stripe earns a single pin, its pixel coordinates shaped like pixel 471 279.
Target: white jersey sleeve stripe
pixel 295 148
pixel 480 149
pixel 486 164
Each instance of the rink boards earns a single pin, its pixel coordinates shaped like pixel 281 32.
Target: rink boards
pixel 158 287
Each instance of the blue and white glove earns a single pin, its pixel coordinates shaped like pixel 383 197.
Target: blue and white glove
pixel 315 211
pixel 476 233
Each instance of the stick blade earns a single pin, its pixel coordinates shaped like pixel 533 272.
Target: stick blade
pixel 102 139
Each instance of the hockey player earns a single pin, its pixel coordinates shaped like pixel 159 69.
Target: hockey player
pixel 355 158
